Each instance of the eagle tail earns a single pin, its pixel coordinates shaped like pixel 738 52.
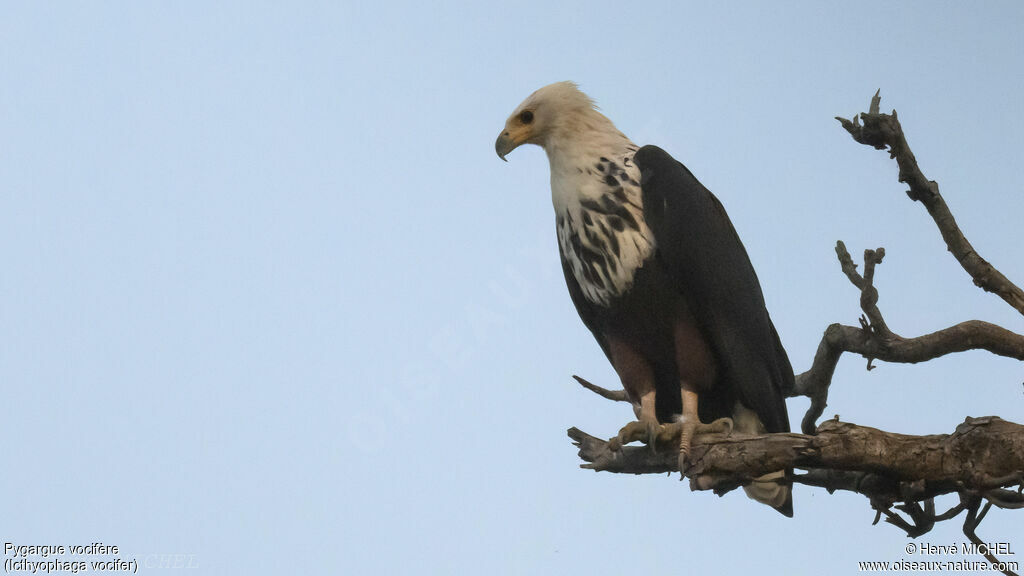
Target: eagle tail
pixel 772 489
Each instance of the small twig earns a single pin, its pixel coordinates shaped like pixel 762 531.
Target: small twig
pixel 869 294
pixel 951 513
pixel 1005 498
pixel 616 395
pixel 971 522
pixel 923 518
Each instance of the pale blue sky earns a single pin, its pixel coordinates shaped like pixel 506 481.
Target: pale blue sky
pixel 269 298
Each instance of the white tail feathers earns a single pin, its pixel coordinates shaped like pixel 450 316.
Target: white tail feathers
pixel 769 490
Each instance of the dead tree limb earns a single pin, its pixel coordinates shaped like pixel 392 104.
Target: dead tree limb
pixel 981 455
pixel 884 130
pixel 896 472
pixel 874 340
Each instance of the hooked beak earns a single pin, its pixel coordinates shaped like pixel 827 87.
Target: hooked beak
pixel 504 145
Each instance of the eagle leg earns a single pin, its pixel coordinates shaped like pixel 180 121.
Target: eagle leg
pixel 690 425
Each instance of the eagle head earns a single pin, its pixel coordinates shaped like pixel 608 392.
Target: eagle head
pixel 543 115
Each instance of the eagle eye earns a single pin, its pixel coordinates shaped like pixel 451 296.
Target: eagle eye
pixel 526 116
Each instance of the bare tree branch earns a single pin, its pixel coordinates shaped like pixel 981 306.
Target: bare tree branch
pixel 884 130
pixel 874 340
pixel 616 395
pixel 1005 498
pixel 982 454
pixel 971 522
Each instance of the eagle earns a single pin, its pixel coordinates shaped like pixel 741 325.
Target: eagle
pixel 660 277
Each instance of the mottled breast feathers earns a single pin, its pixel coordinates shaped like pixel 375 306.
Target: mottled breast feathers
pixel 602 233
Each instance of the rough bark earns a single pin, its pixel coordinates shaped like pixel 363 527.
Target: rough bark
pixel 982 454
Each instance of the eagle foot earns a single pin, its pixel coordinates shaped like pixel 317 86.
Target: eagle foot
pixel 690 428
pixel 644 430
